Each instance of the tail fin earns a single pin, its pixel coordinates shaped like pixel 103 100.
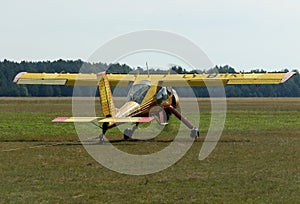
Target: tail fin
pixel 106 98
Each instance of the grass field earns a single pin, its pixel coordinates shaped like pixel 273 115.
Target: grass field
pixel 257 159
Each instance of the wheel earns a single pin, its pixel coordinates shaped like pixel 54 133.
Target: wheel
pixel 101 138
pixel 194 133
pixel 127 133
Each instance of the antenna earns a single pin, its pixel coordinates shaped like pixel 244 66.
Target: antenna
pixel 147 68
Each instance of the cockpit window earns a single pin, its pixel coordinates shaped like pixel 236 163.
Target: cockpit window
pixel 138 91
pixel 162 95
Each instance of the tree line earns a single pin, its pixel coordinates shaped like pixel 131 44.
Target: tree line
pixel 9 69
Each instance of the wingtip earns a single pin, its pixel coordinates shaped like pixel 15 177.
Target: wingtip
pixel 18 76
pixel 287 76
pixel 146 119
pixel 59 119
pixel 100 74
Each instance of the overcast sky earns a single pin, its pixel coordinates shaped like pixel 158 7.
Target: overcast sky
pixel 244 34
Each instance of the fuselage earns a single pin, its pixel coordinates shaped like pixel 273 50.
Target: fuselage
pixel 143 96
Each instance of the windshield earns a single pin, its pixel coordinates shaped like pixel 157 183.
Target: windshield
pixel 162 95
pixel 138 91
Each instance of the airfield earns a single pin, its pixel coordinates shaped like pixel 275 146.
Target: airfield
pixel 257 159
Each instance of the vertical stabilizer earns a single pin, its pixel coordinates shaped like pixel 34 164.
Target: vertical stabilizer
pixel 106 98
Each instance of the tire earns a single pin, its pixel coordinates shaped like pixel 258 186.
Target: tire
pixel 127 133
pixel 194 133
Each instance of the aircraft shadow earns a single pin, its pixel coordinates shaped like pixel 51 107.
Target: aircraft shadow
pixel 112 141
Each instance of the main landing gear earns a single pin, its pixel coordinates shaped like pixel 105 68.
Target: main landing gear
pixel 194 131
pixel 129 132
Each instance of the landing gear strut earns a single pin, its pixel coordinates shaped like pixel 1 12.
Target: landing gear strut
pixel 129 132
pixel 104 129
pixel 194 130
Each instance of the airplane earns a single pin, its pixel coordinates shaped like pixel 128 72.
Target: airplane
pixel 147 91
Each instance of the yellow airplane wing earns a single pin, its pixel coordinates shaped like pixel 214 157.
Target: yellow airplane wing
pixel 259 78
pixel 56 79
pixel 219 79
pixel 159 79
pixel 71 79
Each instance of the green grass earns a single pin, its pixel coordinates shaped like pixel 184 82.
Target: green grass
pixel 257 159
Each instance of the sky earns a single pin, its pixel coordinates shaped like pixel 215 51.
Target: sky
pixel 243 34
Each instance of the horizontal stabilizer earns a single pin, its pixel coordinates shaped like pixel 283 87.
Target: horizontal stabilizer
pixel 128 120
pixel 104 120
pixel 76 119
